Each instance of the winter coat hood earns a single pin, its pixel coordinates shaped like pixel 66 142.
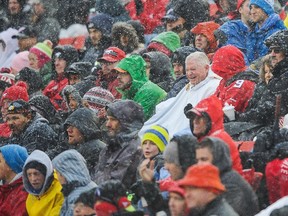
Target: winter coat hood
pixel 66 52
pixel 123 28
pixel 211 108
pixel 102 22
pixel 228 61
pixel 40 157
pixel 72 165
pixel 71 90
pixel 85 121
pixel 136 67
pixel 81 68
pixel 180 54
pixel 207 29
pixel 161 67
pixel 221 154
pixel 129 113
pixel 169 39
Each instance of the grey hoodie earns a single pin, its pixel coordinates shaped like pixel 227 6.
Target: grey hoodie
pixel 42 158
pixel 72 165
pixel 239 194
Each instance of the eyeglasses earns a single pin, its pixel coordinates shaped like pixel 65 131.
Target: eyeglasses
pixel 106 63
pixel 275 50
pixel 110 52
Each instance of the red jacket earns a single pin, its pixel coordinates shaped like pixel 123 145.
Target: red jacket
pixel 13 199
pixel 150 17
pixel 213 108
pixel 5 131
pixel 236 88
pixel 277 179
pixel 53 90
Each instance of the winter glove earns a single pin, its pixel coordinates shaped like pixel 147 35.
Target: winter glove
pixel 187 111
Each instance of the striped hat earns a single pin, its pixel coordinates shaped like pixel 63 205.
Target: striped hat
pixel 98 97
pixel 43 51
pixel 157 134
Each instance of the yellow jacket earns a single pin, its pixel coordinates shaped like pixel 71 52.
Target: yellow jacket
pixel 286 21
pixel 47 204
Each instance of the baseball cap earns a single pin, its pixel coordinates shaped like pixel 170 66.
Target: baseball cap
pixel 25 32
pixel 112 54
pixel 170 16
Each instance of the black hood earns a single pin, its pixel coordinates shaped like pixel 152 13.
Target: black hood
pixel 85 121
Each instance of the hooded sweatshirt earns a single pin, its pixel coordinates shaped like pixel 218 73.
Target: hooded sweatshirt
pixel 142 90
pixel 49 199
pixel 239 194
pixel 72 166
pixel 237 86
pixel 85 121
pixel 211 108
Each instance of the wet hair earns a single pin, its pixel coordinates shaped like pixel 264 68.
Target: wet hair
pixel 87 198
pixel 266 60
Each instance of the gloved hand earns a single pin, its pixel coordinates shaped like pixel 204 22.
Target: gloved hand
pixel 187 110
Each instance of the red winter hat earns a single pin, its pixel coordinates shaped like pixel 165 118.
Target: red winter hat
pixel 16 92
pixel 7 77
pixel 203 176
pixel 176 189
pixel 112 54
pixel 207 29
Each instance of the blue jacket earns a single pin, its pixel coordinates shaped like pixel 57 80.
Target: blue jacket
pixel 255 40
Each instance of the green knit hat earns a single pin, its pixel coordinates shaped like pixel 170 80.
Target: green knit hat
pixel 157 134
pixel 43 47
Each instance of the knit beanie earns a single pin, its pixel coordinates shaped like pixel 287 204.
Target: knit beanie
pixel 15 92
pixel 36 165
pixel 98 97
pixel 43 51
pixel 14 156
pixel 157 134
pixel 7 79
pixel 203 176
pixel 19 61
pixel 266 5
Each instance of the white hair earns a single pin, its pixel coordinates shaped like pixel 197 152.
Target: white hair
pixel 199 57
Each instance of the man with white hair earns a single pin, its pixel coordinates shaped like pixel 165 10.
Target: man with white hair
pixel 202 83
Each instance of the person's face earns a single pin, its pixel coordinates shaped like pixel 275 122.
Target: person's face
pixel 4 168
pixel 268 73
pixel 277 55
pixel 95 36
pixel 204 156
pixel 33 61
pixel 201 42
pixel 73 79
pixel 73 104
pixel 196 72
pixel 174 170
pixel 113 126
pixel 61 178
pixel 124 80
pixel 149 149
pixel 244 10
pixel 199 126
pixel 177 204
pixel 60 65
pixel 224 4
pixel 82 210
pixel 124 40
pixel 257 14
pixel 26 43
pixel 74 135
pixel 38 8
pixel 4 108
pixel 107 67
pixel 178 69
pixel 35 178
pixel 170 25
pixel 17 122
pixel 14 7
pixel 195 197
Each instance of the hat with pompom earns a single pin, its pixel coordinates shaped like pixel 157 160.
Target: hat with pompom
pixel 43 51
pixel 15 92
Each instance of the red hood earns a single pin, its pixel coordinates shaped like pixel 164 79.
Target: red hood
pixel 213 107
pixel 228 61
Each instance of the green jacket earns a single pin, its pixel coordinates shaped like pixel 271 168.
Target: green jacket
pixel 142 91
pixel 169 39
pixel 46 73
